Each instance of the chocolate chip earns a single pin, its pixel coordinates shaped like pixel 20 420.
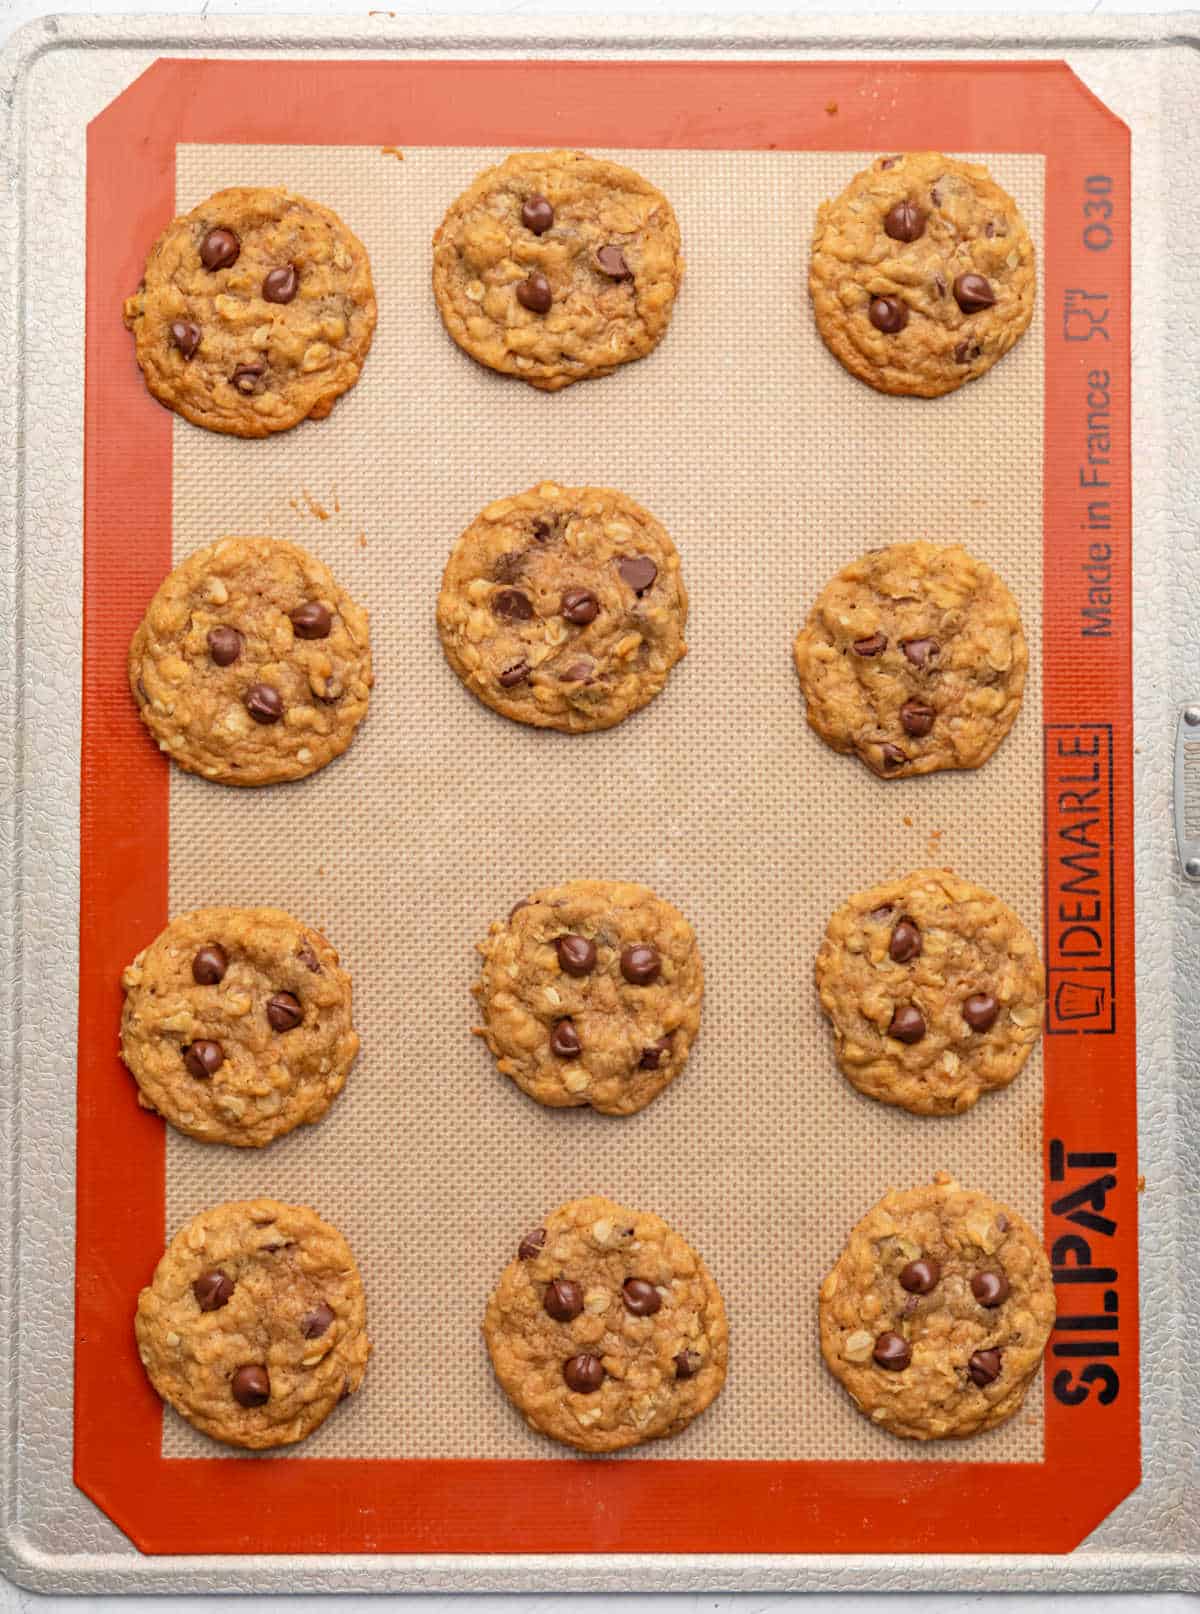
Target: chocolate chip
pixel 564 1040
pixel 251 1386
pixel 317 1321
pixel 284 1011
pixel 640 963
pixel 508 567
pixel 989 1288
pixel 516 674
pixel 916 718
pixel 973 293
pixel 212 1290
pixel 904 221
pixel 905 943
pixel 543 531
pixel 989 229
pixel 219 249
pixel 308 958
pixel 576 954
pixel 580 605
pixel 654 1054
pixel 639 571
pixel 247 376
pixel 919 651
pixel 536 213
pixel 224 645
pixel 534 293
pixel 907 1024
pixel 512 605
pixel 203 1059
pixel 264 704
pixel 880 914
pixel 966 352
pixel 532 1244
pixel 610 261
pixel 210 964
pixel 584 1373
pixel 893 757
pixel 980 1011
pixel 888 314
pixel 688 1364
pixel 874 646
pixel 893 1352
pixel 579 672
pixel 984 1367
pixel 563 1299
pixel 640 1297
pixel 1002 1222
pixel 186 337
pixel 922 1276
pixel 312 620
pixel 279 285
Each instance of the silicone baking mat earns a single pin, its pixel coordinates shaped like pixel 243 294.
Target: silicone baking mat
pixel 771 468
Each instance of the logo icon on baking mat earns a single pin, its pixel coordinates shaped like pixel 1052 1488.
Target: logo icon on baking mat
pixel 1080 1004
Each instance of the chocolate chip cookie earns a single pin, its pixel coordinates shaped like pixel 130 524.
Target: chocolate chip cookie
pixel 557 267
pixel 607 1330
pixel 937 1312
pixel 256 312
pixel 922 274
pixel 254 1324
pixel 251 665
pixel 591 994
pixel 237 1025
pixel 563 607
pixel 934 990
pixel 913 659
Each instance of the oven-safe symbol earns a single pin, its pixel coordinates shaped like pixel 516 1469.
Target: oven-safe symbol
pixel 1073 1000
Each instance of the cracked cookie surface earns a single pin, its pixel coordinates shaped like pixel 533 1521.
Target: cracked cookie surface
pixel 563 607
pixel 254 1324
pixel 913 659
pixel 237 1025
pixel 937 1312
pixel 607 1330
pixel 934 990
pixel 591 994
pixel 557 267
pixel 256 312
pixel 252 665
pixel 922 274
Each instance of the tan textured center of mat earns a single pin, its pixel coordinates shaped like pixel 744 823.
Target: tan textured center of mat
pixel 770 467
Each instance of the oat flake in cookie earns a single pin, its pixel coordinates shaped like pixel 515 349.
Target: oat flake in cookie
pixel 934 990
pixel 591 994
pixel 252 665
pixel 557 267
pixel 607 1330
pixel 563 607
pixel 256 312
pixel 913 659
pixel 254 1324
pixel 237 1025
pixel 922 274
pixel 937 1312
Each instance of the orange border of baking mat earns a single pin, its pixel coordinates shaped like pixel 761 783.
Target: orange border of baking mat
pixel 307 1505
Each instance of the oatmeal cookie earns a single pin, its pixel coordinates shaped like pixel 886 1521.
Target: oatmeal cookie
pixel 557 267
pixel 922 274
pixel 591 994
pixel 607 1330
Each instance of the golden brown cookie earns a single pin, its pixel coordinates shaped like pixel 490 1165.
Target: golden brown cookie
pixel 934 990
pixel 251 665
pixel 936 1314
pixel 607 1330
pixel 563 607
pixel 913 659
pixel 557 267
pixel 256 312
pixel 237 1025
pixel 922 274
pixel 591 994
pixel 254 1324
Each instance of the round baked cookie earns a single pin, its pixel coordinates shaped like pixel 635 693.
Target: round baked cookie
pixel 934 990
pixel 563 607
pixel 254 1323
pixel 251 665
pixel 913 659
pixel 936 1313
pixel 607 1330
pixel 237 1025
pixel 591 994
pixel 922 274
pixel 255 313
pixel 557 267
